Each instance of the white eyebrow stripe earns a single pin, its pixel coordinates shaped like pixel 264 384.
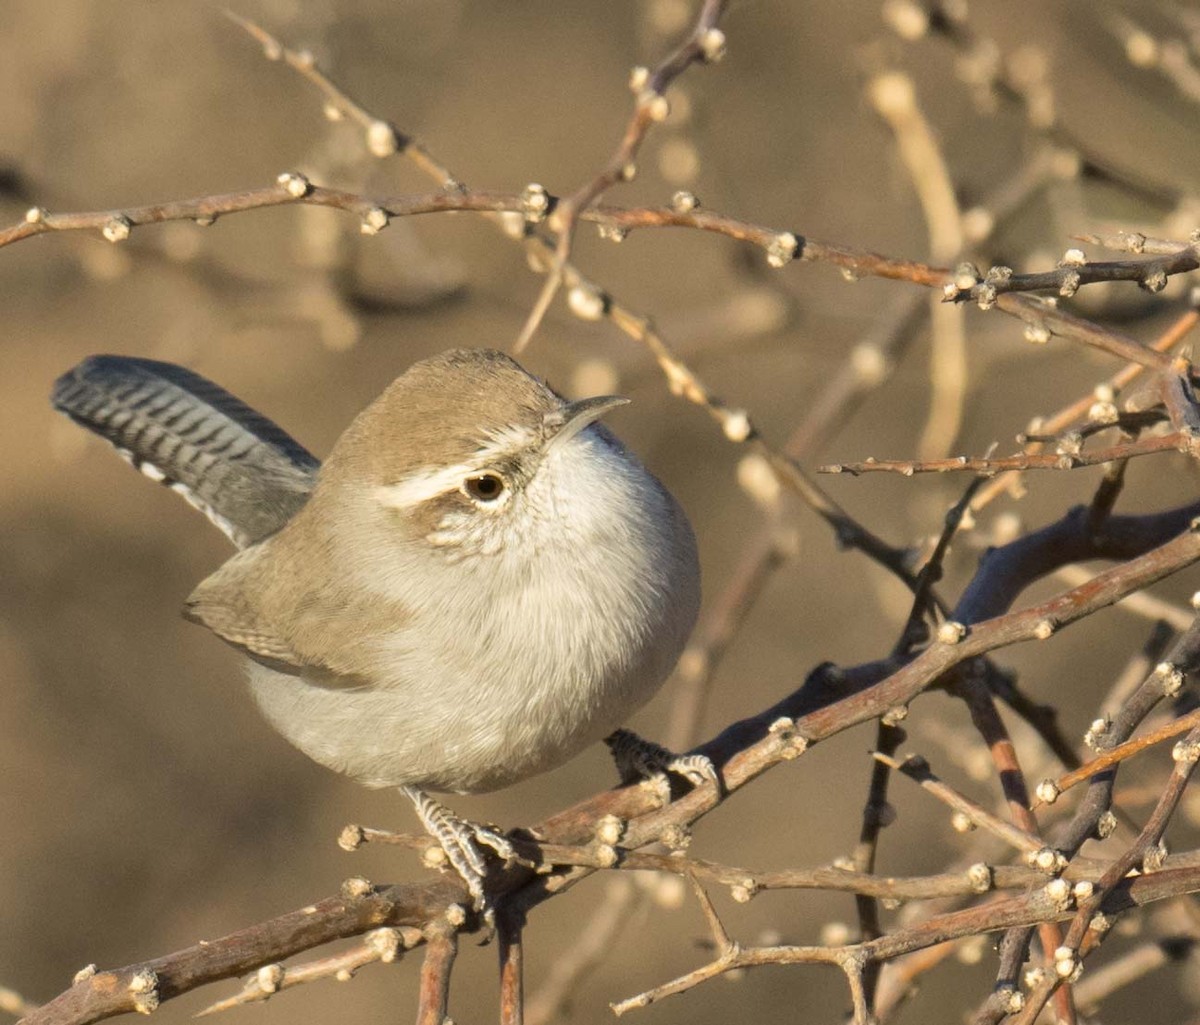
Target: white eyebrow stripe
pixel 423 485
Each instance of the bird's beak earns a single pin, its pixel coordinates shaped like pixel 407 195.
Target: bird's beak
pixel 569 420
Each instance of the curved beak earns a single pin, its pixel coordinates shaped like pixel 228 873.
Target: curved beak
pixel 569 420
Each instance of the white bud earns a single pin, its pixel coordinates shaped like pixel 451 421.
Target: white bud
pixel 1106 825
pixel 382 140
pixel 1047 859
pixel 1043 629
pixel 1048 791
pixel 117 228
pixel 1070 284
pixel 144 988
pixel 782 249
pixel 612 232
pixel 606 855
pixel 586 303
pixel 1059 893
pixel 356 886
pixel 951 632
pixel 1186 752
pixel 1096 732
pixel 1171 676
pixel 638 78
pixel 374 221
pixel 386 942
pixel 1037 332
pixel 1073 258
pixel 684 202
pixel 736 425
pixel 535 203
pixel 609 829
pixel 985 295
pixel 1082 890
pixel 35 215
pixel 269 977
pixel 743 892
pixel 656 105
pixel 84 973
pixel 1064 962
pixel 961 822
pixel 712 44
pixel 351 838
pixel 294 184
pixel 1155 280
pixel 979 876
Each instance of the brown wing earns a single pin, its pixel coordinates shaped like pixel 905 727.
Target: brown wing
pixel 229 604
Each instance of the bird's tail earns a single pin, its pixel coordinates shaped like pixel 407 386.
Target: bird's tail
pixel 247 475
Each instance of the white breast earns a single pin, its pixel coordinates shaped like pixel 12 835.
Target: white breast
pixel 515 660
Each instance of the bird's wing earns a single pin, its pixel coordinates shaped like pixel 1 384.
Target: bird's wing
pixel 229 603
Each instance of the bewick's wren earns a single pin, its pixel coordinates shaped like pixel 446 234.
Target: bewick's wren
pixel 479 582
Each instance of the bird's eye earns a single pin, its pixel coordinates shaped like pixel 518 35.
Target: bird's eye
pixel 485 487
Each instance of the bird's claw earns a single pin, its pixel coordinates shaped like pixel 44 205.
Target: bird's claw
pixel 462 841
pixel 639 759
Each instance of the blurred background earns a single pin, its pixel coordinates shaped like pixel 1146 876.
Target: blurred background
pixel 146 804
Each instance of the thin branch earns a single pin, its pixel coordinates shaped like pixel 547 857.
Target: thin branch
pixel 917 769
pixel 1175 441
pixel 441 948
pixel 509 927
pixel 1122 752
pixel 705 43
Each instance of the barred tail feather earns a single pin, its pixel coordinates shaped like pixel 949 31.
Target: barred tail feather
pixel 245 473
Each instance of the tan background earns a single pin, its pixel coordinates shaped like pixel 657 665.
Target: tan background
pixel 145 805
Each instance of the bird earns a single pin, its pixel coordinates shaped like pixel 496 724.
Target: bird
pixel 477 583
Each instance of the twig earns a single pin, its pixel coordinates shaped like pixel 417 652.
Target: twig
pixel 705 43
pixel 1103 395
pixel 1122 752
pixel 1041 317
pixel 1016 793
pixel 383 945
pixel 894 98
pixel 509 926
pixel 1175 441
pixel 917 769
pixel 1067 957
pixel 1144 604
pixel 1073 273
pixel 441 948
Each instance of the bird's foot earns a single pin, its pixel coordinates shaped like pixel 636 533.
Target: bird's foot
pixel 639 759
pixel 462 842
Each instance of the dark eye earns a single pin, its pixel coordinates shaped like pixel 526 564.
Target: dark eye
pixel 487 487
